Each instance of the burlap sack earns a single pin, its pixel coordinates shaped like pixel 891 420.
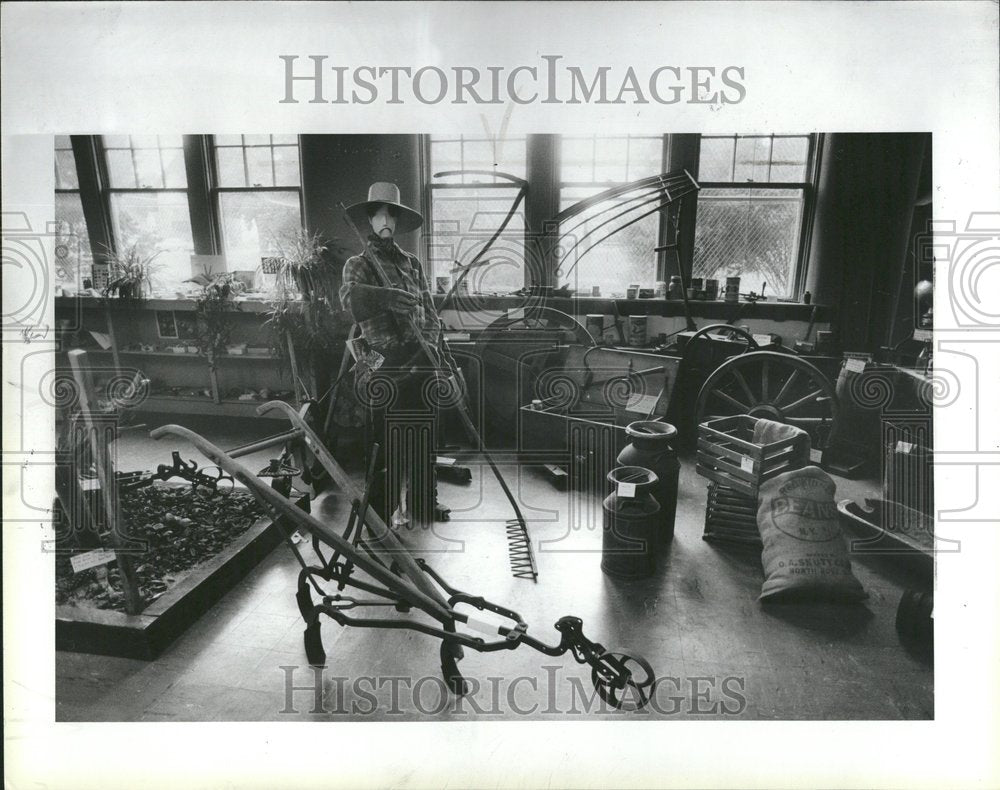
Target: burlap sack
pixel 805 553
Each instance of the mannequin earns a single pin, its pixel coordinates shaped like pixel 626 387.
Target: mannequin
pixel 386 293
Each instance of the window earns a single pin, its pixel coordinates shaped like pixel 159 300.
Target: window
pixel 73 259
pixel 751 210
pixel 147 193
pixel 259 194
pixel 466 210
pixel 589 165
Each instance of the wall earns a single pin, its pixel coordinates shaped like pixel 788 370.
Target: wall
pixel 340 168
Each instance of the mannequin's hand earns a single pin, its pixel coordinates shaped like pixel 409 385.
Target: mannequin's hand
pixel 399 301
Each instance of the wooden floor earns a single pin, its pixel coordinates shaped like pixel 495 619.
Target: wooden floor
pixel 718 653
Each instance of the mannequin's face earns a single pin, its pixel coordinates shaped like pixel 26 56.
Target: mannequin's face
pixel 383 222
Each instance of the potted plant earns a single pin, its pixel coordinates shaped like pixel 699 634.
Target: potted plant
pixel 301 260
pixel 129 273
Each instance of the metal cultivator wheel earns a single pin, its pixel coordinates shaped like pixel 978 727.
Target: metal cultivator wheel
pixel 775 386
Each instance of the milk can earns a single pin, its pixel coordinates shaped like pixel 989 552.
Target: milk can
pixel 631 518
pixel 649 447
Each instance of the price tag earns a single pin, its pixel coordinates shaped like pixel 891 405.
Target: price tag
pixel 515 315
pixel 297 537
pixel 746 464
pixel 855 365
pixel 643 403
pixel 904 447
pixel 90 484
pixel 762 340
pixel 91 559
pixel 626 490
pixel 444 460
pixel 923 335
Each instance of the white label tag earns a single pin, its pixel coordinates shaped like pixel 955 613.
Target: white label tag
pixel 903 447
pixel 443 460
pixel 297 537
pixel 762 340
pixel 855 365
pixel 91 559
pixel 626 490
pixel 746 464
pixel 90 484
pixel 515 315
pixel 923 335
pixel 643 403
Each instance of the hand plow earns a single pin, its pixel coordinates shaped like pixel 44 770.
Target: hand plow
pixel 370 558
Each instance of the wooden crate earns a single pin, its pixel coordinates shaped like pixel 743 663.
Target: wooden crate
pixel 728 455
pixel 730 517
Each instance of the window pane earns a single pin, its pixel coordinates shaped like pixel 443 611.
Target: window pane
pixel 285 139
pixel 464 220
pixel 66 171
pixel 259 167
pixel 256 139
pixel 716 160
pixel 147 168
pixel 251 223
pixel 286 166
pixel 230 167
pixel 156 222
pixel 609 159
pixel 446 156
pixel 645 157
pixel 752 157
pixel 116 141
pixel 789 157
pixel 588 258
pixel 577 159
pixel 170 141
pixel 173 167
pixel 121 171
pixel 228 139
pixel 72 244
pixel 753 234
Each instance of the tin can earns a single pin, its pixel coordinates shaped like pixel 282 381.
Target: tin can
pixel 695 283
pixel 595 291
pixel 632 292
pixel 732 289
pixel 637 331
pixel 660 290
pixel 711 289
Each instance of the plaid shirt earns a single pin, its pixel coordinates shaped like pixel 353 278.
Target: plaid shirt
pixel 390 334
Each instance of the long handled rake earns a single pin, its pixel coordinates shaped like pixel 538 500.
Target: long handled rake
pixel 522 558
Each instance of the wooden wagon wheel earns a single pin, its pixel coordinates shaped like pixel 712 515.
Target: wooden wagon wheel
pixel 778 387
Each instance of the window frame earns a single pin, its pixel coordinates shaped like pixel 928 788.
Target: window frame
pixel 663 233
pixel 808 188
pixel 215 190
pixel 106 190
pixel 427 172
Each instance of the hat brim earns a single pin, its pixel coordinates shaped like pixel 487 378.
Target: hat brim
pixel 406 218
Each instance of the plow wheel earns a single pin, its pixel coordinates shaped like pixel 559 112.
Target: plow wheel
pixel 778 387
pixel 628 686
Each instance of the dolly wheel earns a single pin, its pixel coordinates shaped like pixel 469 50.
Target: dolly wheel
pixel 457 684
pixel 314 644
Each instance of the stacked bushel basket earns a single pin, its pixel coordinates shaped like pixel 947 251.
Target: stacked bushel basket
pixel 765 493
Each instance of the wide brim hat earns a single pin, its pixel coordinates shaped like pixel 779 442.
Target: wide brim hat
pixel 383 193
